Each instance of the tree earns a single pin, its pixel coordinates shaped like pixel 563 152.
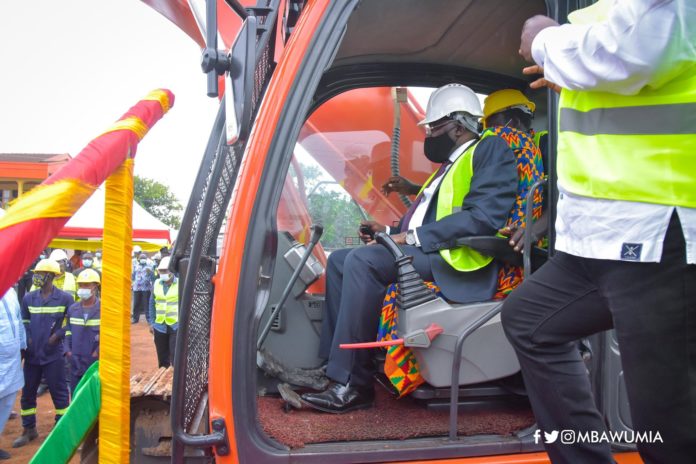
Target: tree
pixel 158 200
pixel 331 207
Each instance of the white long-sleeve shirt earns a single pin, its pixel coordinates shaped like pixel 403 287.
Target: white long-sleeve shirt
pixel 641 43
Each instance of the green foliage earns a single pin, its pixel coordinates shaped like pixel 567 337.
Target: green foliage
pixel 158 200
pixel 332 207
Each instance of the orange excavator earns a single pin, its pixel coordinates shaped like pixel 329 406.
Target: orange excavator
pixel 319 102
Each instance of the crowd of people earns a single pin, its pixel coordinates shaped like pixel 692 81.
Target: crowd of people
pixel 50 327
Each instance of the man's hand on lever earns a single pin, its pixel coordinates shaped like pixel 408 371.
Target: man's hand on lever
pixel 400 185
pixel 368 229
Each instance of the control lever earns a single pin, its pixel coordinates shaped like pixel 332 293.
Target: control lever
pixel 367 230
pixel 317 231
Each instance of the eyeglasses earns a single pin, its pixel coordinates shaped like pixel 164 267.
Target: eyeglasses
pixel 436 126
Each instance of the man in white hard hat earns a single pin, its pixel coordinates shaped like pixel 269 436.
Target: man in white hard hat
pixel 470 194
pixel 163 314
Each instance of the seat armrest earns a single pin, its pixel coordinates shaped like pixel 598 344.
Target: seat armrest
pixel 500 249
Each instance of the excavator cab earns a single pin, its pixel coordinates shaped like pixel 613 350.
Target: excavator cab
pixel 319 104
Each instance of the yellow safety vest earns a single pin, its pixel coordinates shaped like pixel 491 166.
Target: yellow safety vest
pixel 166 306
pixel 453 188
pixel 635 148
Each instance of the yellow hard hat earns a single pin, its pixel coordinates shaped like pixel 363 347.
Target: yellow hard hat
pixel 47 265
pixel 504 99
pixel 88 276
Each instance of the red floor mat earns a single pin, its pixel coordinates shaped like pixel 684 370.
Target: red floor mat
pixel 390 419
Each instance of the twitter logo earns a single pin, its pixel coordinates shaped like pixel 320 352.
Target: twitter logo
pixel 551 437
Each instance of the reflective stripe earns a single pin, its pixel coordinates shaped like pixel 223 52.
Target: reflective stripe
pixel 60 412
pixel 67 332
pixel 631 120
pixel 46 309
pixel 89 323
pixel 27 412
pixel 26 321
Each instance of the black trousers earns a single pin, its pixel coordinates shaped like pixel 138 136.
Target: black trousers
pixel 165 344
pixel 356 281
pixel 54 373
pixel 652 307
pixel 141 300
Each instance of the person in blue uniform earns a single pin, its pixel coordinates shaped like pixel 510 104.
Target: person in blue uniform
pixel 43 314
pixel 82 328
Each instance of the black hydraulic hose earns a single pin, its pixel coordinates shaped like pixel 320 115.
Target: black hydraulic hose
pixel 317 230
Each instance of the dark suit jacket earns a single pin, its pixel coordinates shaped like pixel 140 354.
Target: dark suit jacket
pixel 484 210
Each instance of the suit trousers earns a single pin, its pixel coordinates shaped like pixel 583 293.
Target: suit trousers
pixel 141 301
pixel 356 282
pixel 652 307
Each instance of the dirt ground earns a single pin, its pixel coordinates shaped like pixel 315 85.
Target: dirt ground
pixel 143 359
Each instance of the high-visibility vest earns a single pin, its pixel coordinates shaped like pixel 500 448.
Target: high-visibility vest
pixel 635 148
pixel 166 306
pixel 452 190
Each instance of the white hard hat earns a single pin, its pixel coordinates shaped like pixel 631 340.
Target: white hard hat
pixel 58 255
pixel 137 249
pixel 450 99
pixel 164 264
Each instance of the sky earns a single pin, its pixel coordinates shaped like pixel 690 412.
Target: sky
pixel 70 68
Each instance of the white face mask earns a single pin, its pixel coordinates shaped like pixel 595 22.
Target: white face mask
pixel 166 276
pixel 84 293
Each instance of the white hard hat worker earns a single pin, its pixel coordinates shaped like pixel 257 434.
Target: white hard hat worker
pixel 61 258
pixel 452 102
pixel 137 250
pixel 163 268
pixel 164 264
pixel 451 118
pixel 58 255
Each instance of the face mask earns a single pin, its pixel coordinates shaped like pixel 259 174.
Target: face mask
pixel 143 261
pixel 42 256
pixel 438 149
pixel 84 293
pixel 39 280
pixel 87 262
pixel 167 276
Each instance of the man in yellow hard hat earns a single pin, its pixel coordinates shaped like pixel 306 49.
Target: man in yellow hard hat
pixel 82 328
pixel 65 280
pixel 43 314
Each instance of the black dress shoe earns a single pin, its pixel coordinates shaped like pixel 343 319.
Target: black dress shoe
pixel 339 398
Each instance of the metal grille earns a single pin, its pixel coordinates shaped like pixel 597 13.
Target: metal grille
pixel 219 182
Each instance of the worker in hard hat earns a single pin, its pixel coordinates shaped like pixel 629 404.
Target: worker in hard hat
pixel 471 193
pixel 43 314
pixel 163 315
pixel 65 280
pixel 625 248
pixel 82 328
pixel 87 262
